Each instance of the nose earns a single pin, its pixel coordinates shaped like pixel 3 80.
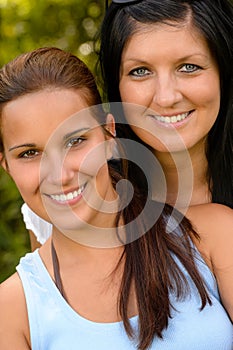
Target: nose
pixel 166 91
pixel 56 169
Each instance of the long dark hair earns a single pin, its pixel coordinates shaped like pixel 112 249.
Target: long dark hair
pixel 214 20
pixel 152 255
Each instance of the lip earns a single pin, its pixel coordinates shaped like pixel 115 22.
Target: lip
pixel 68 197
pixel 174 120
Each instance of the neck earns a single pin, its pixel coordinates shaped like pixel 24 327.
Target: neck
pixel 93 236
pixel 73 252
pixel 186 177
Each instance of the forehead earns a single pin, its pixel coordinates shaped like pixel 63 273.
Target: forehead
pixel 157 36
pixel 47 105
pixel 38 115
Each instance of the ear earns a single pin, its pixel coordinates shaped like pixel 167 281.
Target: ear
pixel 110 142
pixel 3 162
pixel 110 125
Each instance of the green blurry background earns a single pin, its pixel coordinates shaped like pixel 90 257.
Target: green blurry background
pixel 24 25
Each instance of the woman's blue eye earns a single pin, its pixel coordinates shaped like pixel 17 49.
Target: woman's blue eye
pixel 139 72
pixel 75 141
pixel 189 68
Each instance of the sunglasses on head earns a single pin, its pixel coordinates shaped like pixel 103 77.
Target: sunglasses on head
pixel 120 2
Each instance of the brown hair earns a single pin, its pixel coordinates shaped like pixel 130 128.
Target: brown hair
pixel 151 260
pixel 44 68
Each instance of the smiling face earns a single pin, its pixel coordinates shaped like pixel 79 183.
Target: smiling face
pixel 58 162
pixel 170 72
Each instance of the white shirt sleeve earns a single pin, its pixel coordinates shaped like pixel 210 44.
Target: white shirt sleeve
pixel 41 228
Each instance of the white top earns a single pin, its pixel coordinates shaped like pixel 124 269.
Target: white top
pixel 54 325
pixel 41 228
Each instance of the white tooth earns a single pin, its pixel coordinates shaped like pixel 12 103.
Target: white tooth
pixel 69 196
pixel 79 191
pixel 173 119
pixel 63 198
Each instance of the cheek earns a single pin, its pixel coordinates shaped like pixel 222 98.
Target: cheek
pixel 154 141
pixel 207 92
pixel 103 183
pixel 25 178
pixel 208 105
pixel 93 160
pixel 136 92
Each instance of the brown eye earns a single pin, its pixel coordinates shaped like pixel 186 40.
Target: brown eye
pixel 75 141
pixel 31 153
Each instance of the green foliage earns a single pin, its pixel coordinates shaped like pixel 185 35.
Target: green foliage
pixel 14 240
pixel 25 25
pixel 68 24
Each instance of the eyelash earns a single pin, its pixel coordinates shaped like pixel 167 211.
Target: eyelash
pixel 135 72
pixel 27 154
pixel 76 141
pixel 194 68
pixel 145 71
pixel 32 153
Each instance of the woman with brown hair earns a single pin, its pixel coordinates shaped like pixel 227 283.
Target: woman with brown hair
pixel 120 271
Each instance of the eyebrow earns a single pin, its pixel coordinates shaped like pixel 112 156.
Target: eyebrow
pixel 182 58
pixel 23 145
pixel 67 136
pixel 192 55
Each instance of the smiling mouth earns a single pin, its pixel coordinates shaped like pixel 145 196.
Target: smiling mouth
pixel 171 119
pixel 68 196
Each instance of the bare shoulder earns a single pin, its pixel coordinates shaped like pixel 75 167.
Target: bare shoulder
pixel 212 208
pixel 14 331
pixel 214 219
pixel 214 224
pixel 11 292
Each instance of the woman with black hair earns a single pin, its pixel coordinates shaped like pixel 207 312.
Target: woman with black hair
pixel 173 60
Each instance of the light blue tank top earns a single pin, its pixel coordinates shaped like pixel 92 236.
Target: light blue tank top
pixel 54 325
